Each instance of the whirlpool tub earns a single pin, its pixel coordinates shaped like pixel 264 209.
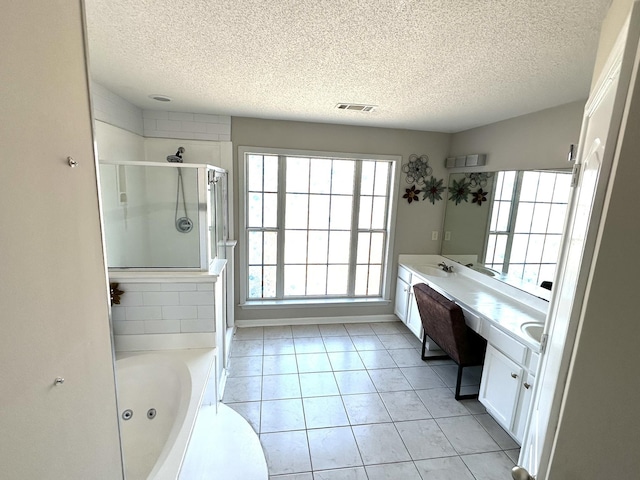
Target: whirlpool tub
pixel 159 395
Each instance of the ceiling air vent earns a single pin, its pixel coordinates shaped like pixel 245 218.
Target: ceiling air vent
pixel 355 106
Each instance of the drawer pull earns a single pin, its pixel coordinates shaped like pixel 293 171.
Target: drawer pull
pixel 513 375
pixel 527 385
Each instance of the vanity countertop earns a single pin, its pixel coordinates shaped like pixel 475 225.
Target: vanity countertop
pixel 501 305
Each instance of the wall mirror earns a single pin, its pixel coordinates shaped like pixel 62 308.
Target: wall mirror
pixel 508 224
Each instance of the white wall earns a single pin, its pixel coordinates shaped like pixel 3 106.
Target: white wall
pixel 54 294
pixel 141 232
pixel 126 231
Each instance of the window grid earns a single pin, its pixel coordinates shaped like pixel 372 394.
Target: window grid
pixel 371 264
pixel 308 263
pixel 532 239
pixel 314 286
pixel 259 271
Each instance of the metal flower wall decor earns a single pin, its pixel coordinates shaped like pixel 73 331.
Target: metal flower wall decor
pixel 479 196
pixel 478 179
pixel 433 190
pixel 459 191
pixel 411 194
pixel 417 169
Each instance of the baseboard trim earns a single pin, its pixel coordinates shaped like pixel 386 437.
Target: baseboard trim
pixel 278 322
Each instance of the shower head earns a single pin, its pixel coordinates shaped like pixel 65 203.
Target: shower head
pixel 177 158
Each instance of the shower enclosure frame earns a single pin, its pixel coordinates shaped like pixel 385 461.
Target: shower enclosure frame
pixel 208 177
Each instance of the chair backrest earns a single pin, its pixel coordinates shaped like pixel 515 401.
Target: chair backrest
pixel 443 321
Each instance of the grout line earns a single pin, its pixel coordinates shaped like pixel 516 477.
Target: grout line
pixel 377 392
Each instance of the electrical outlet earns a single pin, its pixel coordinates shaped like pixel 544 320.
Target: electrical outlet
pixel 434 235
pixel 447 236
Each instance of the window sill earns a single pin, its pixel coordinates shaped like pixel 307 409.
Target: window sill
pixel 315 302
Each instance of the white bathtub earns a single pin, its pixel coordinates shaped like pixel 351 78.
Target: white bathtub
pixel 173 384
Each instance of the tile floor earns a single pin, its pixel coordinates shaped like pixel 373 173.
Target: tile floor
pixel 356 402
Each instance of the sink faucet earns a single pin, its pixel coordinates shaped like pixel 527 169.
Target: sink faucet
pixel 445 267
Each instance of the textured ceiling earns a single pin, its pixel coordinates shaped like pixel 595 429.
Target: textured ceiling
pixel 437 65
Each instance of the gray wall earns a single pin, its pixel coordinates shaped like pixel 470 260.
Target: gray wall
pixel 415 222
pixel 537 140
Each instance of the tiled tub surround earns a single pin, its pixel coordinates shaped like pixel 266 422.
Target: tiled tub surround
pixel 147 308
pixel 356 402
pixel 170 310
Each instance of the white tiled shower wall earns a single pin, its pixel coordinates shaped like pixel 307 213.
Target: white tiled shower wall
pixel 189 126
pixel 115 110
pixel 164 308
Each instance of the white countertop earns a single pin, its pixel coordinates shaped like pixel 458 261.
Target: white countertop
pixel 159 275
pixel 501 305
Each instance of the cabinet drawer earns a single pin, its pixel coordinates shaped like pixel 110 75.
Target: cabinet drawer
pixel 471 319
pixel 510 347
pixel 404 274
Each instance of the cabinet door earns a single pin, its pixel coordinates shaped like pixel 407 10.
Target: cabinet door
pixel 522 415
pixel 414 323
pixel 500 386
pixel 402 299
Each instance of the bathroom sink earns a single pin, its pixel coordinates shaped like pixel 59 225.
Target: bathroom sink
pixel 484 270
pixel 432 270
pixel 534 330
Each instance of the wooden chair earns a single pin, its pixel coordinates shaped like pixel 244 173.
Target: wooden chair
pixel 443 321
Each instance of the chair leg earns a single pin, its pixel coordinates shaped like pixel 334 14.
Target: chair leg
pixel 458 385
pixel 424 348
pixel 424 343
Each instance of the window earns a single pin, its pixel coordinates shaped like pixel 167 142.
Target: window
pixel 525 235
pixel 315 225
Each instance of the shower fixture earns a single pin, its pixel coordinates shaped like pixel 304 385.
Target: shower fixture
pixel 177 158
pixel 183 224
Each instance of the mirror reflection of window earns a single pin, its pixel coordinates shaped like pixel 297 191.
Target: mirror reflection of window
pixel 525 235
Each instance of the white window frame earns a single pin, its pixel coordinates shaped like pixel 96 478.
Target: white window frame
pixel 510 232
pixel 386 280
